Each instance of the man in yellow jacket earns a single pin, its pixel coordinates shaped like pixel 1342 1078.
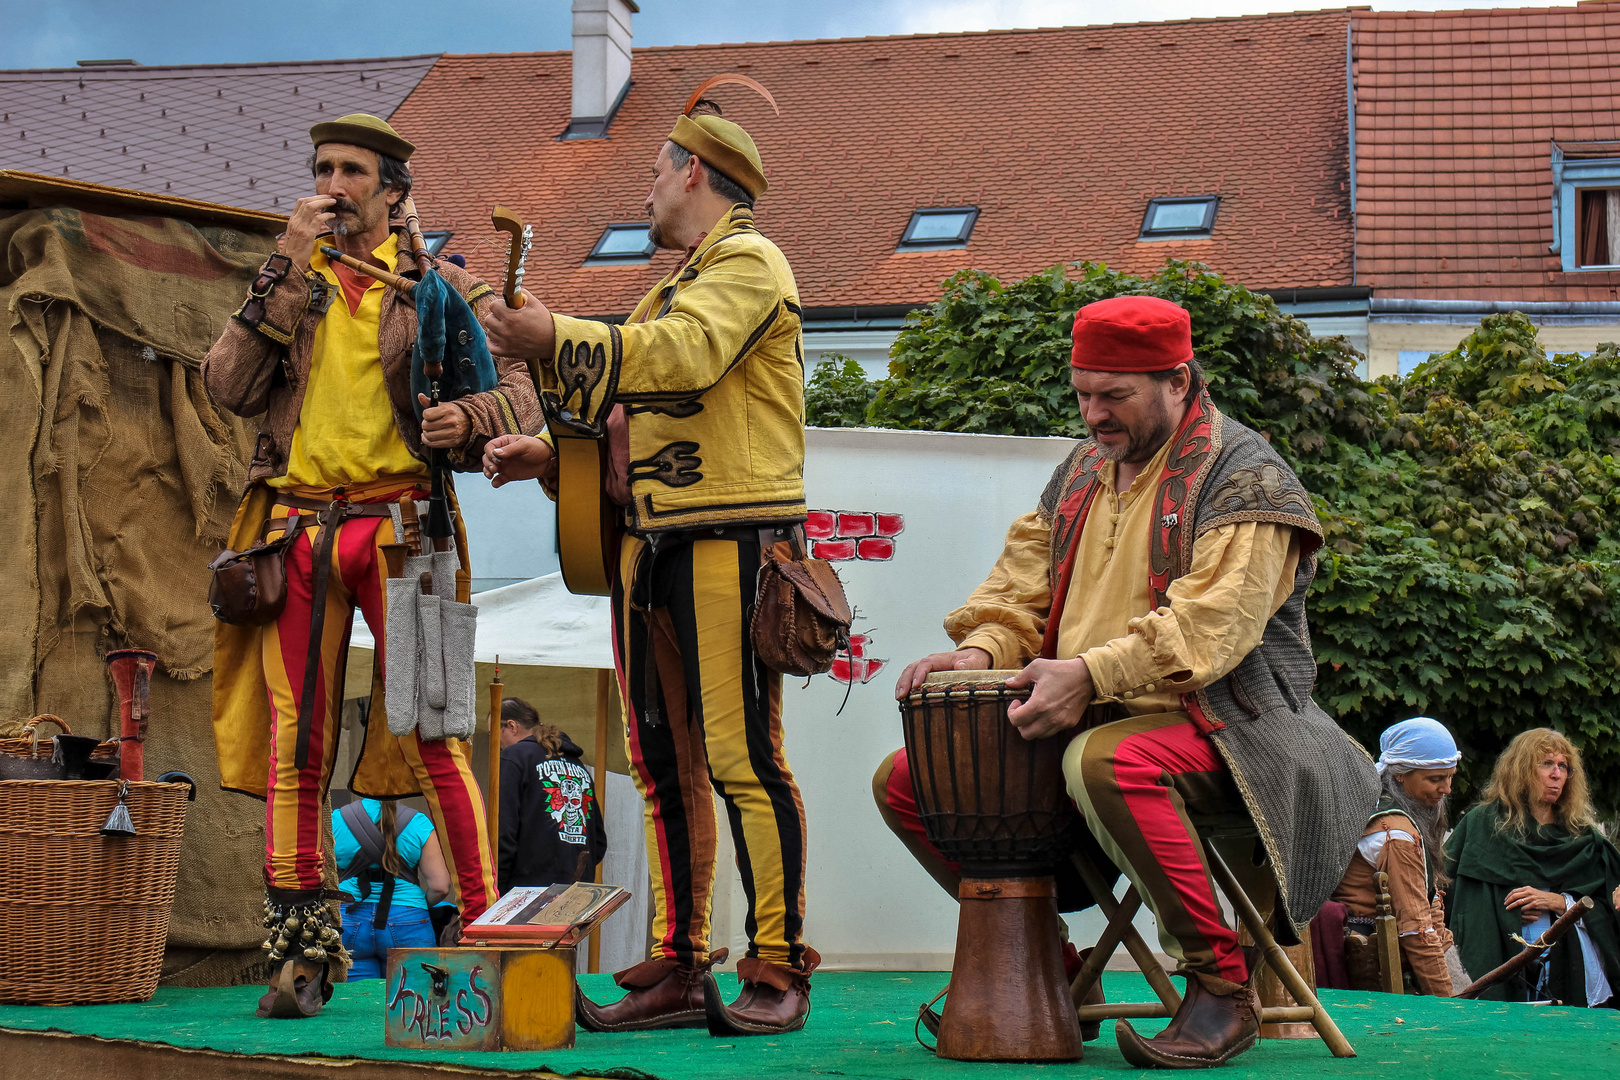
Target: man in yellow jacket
pixel 701 396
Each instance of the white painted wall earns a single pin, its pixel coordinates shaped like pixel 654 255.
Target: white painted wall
pixel 868 905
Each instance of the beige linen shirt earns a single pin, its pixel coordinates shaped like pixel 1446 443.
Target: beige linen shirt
pixel 1140 657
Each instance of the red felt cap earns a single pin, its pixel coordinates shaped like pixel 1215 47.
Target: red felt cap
pixel 1132 334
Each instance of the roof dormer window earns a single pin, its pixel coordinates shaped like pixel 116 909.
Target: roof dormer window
pixel 939 227
pixel 1179 219
pixel 622 244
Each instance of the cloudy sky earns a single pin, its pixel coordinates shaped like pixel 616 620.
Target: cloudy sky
pixel 56 33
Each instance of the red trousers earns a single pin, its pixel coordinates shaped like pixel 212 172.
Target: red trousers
pixel 293 826
pixel 1135 780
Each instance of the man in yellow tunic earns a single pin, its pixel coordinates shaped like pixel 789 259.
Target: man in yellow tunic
pixel 701 395
pixel 1156 596
pixel 324 353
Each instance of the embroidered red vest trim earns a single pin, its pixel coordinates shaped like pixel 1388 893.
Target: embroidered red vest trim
pixel 1189 452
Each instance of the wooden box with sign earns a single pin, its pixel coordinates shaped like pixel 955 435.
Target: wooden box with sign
pixel 481 998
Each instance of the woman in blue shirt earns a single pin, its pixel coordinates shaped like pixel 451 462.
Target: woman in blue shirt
pixel 387 910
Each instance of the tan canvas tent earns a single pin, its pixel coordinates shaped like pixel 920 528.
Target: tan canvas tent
pixel 120 482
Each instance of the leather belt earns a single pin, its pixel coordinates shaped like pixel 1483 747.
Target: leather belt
pixel 1005 889
pixel 328 516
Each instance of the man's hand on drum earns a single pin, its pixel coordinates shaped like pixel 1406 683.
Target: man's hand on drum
pixel 969 659
pixel 1062 691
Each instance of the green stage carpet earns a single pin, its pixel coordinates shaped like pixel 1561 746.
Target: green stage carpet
pixel 862 1027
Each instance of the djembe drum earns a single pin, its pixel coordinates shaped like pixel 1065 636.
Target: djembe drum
pixel 995 803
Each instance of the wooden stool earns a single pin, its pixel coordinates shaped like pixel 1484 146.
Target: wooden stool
pixel 1120 931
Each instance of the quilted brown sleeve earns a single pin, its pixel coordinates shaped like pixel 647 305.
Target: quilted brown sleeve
pixel 240 368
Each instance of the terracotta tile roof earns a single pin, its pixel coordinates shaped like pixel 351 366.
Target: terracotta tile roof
pixel 236 134
pixel 1060 136
pixel 1456 112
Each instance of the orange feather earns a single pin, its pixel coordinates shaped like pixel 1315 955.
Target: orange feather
pixel 724 79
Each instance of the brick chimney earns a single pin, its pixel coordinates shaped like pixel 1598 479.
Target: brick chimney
pixel 601 65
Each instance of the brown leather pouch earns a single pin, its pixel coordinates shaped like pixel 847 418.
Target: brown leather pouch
pixel 249 588
pixel 801 616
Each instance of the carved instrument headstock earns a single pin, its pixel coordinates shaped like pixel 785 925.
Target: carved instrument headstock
pixel 522 236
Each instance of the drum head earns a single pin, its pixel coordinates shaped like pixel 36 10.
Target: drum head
pixel 940 680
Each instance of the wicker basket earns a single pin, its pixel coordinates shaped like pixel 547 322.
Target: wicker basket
pixel 31 743
pixel 83 917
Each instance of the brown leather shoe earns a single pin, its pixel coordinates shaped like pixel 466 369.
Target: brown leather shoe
pixel 1209 1029
pixel 663 994
pixel 298 990
pixel 774 999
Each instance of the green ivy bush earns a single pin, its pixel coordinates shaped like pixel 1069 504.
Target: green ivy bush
pixel 1472 555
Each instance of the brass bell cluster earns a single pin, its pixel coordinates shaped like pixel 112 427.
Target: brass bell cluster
pixel 302 927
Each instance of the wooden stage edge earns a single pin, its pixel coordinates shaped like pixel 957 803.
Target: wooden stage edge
pixel 55 1055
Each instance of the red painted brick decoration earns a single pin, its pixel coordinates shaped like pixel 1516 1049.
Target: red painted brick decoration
pixel 840 535
pixel 855 666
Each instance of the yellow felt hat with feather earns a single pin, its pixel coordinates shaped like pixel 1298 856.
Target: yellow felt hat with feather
pixel 721 143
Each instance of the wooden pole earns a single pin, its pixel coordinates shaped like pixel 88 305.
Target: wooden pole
pixel 1533 951
pixel 497 694
pixel 404 285
pixel 602 690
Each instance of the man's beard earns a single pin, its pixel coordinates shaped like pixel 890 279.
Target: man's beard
pixel 1430 820
pixel 655 233
pixel 1140 443
pixel 342 210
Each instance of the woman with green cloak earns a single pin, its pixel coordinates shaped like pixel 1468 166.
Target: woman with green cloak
pixel 1518 859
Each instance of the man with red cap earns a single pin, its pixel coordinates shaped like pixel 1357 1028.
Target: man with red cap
pixel 1155 601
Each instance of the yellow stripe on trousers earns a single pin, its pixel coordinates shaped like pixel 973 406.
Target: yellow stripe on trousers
pixel 672 764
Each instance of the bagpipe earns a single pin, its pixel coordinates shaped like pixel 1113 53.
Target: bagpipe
pixel 430 684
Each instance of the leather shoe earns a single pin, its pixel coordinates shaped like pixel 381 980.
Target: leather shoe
pixel 298 989
pixel 775 999
pixel 1209 1029
pixel 663 993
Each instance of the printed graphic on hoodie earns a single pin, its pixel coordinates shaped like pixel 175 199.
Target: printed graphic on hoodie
pixel 568 786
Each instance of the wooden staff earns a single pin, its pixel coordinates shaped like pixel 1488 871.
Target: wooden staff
pixel 497 694
pixel 1533 951
pixel 602 688
pixel 394 281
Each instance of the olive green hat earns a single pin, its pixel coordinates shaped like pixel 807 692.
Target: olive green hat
pixel 725 146
pixel 363 129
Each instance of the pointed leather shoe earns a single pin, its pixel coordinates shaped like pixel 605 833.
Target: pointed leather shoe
pixel 774 999
pixel 1208 1030
pixel 662 994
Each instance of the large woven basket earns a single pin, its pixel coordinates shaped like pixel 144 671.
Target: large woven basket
pixel 83 917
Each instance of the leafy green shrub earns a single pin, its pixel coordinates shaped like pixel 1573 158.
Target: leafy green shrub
pixel 1471 509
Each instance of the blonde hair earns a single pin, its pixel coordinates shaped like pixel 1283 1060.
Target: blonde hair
pixel 1514 783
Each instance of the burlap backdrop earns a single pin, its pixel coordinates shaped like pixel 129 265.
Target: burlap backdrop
pixel 122 481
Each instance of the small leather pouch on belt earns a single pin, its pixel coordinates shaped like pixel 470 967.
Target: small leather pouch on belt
pixel 801 616
pixel 249 588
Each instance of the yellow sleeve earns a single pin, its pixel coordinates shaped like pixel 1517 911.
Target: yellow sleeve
pixel 1214 615
pixel 712 324
pixel 1006 616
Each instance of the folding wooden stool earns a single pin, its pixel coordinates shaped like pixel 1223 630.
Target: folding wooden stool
pixel 1120 931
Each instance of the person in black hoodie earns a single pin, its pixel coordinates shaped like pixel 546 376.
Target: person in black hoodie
pixel 551 822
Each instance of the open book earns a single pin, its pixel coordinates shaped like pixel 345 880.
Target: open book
pixel 546 915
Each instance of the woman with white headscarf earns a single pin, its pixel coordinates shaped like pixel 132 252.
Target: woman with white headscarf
pixel 1417 761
